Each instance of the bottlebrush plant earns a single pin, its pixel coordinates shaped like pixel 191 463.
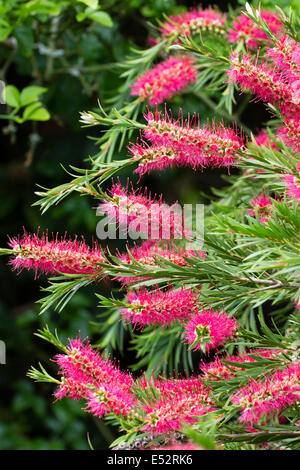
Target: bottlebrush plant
pixel 214 319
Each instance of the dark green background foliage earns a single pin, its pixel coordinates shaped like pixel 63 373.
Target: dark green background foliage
pixel 80 69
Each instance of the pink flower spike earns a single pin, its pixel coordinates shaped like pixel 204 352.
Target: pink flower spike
pixel 293 184
pixel 165 80
pixel 56 255
pixel 290 133
pixel 265 82
pixel 87 375
pixel 268 398
pixel 85 365
pixel 180 401
pixel 286 56
pixel 208 329
pixel 262 205
pixel 244 29
pixel 193 22
pixel 159 307
pixel 194 146
pixel 136 212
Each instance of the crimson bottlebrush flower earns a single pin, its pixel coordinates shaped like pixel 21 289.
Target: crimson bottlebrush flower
pixel 49 256
pixel 194 146
pixel 265 82
pixel 246 30
pixel 136 211
pixel 165 80
pixel 209 329
pixel 159 307
pixel 87 374
pixel 268 398
pixel 262 206
pixel 193 22
pixel 179 402
pixel 81 362
pixel 286 56
pixel 290 133
pixel 293 184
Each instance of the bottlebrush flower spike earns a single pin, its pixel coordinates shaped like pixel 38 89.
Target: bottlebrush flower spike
pixel 135 210
pixel 286 57
pixel 86 374
pixel 293 184
pixel 245 29
pixel 159 307
pixel 207 330
pixel 180 401
pixel 193 22
pixel 266 83
pixel 49 256
pixel 268 398
pixel 81 362
pixel 290 133
pixel 165 80
pixel 194 146
pixel 166 416
pixel 261 205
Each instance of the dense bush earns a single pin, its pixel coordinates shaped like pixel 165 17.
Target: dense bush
pixel 209 322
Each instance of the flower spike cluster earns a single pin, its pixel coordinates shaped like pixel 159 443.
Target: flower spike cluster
pixel 57 255
pixel 165 80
